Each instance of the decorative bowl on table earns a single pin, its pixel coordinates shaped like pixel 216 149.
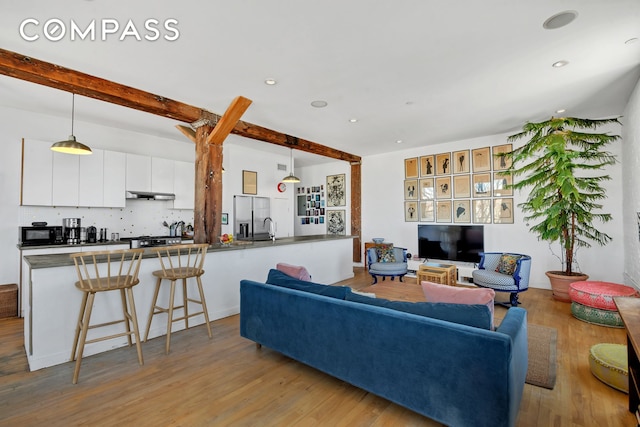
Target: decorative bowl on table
pixel 226 239
pixel 378 240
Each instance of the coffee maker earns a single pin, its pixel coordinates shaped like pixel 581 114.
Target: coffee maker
pixel 71 230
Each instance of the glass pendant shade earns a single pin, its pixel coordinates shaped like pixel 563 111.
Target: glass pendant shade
pixel 291 178
pixel 71 146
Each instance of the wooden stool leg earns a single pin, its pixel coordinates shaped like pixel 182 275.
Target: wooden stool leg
pixel 126 315
pixel 172 295
pixel 204 305
pixel 134 320
pixel 83 335
pixel 83 306
pixel 185 302
pixel 154 302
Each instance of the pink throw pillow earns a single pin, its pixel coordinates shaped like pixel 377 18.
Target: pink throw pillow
pixel 435 292
pixel 295 271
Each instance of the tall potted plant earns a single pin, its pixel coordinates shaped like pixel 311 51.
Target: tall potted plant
pixel 561 165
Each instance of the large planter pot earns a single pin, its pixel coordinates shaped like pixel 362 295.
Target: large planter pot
pixel 560 283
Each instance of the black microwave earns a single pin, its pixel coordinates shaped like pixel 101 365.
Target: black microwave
pixel 40 235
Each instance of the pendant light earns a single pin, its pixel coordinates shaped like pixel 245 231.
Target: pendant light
pixel 291 178
pixel 71 146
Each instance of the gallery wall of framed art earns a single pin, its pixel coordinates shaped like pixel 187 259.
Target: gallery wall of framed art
pixel 464 186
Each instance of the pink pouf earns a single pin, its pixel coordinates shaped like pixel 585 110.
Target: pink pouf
pixel 599 294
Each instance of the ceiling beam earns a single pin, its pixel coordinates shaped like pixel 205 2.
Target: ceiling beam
pixel 33 70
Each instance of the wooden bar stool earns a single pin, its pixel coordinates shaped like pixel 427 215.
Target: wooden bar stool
pixel 103 271
pixel 179 262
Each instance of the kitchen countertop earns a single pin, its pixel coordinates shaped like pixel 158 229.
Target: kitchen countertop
pixel 83 245
pixel 59 260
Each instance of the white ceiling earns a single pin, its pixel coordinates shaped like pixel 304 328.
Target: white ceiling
pixel 421 71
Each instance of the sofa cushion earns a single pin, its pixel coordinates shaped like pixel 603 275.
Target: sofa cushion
pixel 476 315
pixel 279 278
pixel 295 271
pixel 435 292
pixel 384 252
pixel 507 264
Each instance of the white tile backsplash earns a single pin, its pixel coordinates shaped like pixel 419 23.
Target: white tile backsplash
pixel 139 217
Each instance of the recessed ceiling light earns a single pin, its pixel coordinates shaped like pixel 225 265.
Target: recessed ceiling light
pixel 270 82
pixel 399 141
pixel 559 64
pixel 319 104
pixel 354 120
pixel 559 20
pixel 631 41
pixel 560 111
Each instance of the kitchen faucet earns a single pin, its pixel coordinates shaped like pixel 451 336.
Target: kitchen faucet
pixel 272 228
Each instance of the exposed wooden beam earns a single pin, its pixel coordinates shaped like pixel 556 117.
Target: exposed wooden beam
pixel 228 121
pixel 188 132
pixel 356 211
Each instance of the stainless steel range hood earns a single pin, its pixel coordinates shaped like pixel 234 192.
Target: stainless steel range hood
pixel 148 195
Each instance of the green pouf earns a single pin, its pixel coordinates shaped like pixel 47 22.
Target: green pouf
pixel 608 363
pixel 596 316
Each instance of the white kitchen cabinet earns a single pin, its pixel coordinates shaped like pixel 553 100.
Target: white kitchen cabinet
pixel 162 172
pixel 138 172
pixel 37 173
pixel 66 173
pixel 91 179
pixel 184 185
pixel 115 170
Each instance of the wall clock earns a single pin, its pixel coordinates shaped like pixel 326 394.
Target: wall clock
pixel 282 187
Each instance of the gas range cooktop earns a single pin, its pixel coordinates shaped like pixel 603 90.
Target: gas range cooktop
pixel 152 241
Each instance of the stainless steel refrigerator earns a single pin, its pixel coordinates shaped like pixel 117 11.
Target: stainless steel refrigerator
pixel 250 215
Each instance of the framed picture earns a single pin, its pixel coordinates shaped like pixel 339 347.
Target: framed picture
pixel 427 214
pixel 461 186
pixel 411 167
pixel 481 159
pixel 427 190
pixel 443 187
pixel 411 189
pixel 336 222
pixel 462 211
pixel 411 211
pixel 503 211
pixel 501 182
pixel 224 219
pixel 461 161
pixel 336 190
pixel 482 211
pixel 482 185
pixel 501 163
pixel 249 182
pixel 443 164
pixel 443 211
pixel 426 165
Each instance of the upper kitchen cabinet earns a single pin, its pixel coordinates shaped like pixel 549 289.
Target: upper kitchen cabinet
pixel 138 173
pixel 184 175
pixel 162 171
pixel 66 173
pixel 102 179
pixel 37 173
pixel 115 169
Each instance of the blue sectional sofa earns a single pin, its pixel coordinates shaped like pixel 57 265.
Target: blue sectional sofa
pixel 438 366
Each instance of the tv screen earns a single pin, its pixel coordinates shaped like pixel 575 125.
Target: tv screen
pixel 451 242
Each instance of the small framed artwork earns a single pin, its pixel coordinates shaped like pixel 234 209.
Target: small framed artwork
pixel 443 164
pixel 336 222
pixel 501 163
pixel 501 183
pixel 426 165
pixel 461 186
pixel 503 211
pixel 461 161
pixel 443 187
pixel 427 214
pixel 249 182
pixel 336 190
pixel 411 189
pixel 481 185
pixel 224 219
pixel 462 211
pixel 411 167
pixel 481 159
pixel 427 190
pixel 443 211
pixel 411 211
pixel 482 211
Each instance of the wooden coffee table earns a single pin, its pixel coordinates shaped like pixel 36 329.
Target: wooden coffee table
pixel 445 274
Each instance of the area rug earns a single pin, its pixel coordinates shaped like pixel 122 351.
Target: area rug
pixel 542 356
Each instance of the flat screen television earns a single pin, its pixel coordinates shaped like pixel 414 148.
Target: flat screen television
pixel 451 242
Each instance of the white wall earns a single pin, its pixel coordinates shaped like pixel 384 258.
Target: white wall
pixel 383 215
pixel 631 188
pixel 138 217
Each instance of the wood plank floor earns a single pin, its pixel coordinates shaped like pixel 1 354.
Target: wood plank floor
pixel 228 381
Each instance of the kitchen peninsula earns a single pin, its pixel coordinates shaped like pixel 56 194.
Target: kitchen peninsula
pixel 51 301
